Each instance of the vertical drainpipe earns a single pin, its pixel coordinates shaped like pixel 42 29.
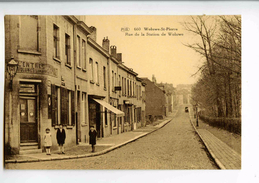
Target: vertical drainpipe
pixel 75 94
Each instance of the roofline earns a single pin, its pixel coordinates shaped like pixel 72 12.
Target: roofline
pixel 84 27
pixel 71 18
pixel 127 69
pixel 97 47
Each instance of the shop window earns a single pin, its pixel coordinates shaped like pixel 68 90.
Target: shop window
pixel 56 41
pixel 67 49
pixel 63 105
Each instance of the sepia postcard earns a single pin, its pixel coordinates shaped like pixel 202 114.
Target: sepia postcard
pixel 123 92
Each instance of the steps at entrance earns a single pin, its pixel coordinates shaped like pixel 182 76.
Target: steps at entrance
pixel 29 148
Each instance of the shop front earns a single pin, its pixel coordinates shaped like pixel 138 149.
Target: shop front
pixel 104 117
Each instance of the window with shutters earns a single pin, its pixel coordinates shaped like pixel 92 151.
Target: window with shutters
pixel 67 50
pixel 56 41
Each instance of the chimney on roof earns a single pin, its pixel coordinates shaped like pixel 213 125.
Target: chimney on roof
pixel 93 35
pixel 119 57
pixel 106 44
pixel 114 51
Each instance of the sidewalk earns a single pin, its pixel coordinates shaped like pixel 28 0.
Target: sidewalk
pixel 224 156
pixel 103 145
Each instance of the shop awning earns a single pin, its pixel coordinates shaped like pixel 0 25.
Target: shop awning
pixel 110 107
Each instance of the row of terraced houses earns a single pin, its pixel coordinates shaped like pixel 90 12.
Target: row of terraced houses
pixel 65 77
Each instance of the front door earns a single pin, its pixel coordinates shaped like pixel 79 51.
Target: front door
pixel 28 119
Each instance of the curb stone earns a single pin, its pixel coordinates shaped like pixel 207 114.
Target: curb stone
pixel 97 153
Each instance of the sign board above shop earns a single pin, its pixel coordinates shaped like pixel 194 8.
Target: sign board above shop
pixel 37 68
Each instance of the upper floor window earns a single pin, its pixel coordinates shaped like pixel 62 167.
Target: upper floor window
pixel 122 85
pixel 112 81
pixel 97 72
pixel 115 80
pixel 128 87
pixel 104 77
pixel 84 53
pixel 56 41
pixel 78 53
pixel 67 49
pixel 29 33
pixel 125 87
pixel 92 69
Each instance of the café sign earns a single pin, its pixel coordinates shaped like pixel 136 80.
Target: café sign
pixel 37 68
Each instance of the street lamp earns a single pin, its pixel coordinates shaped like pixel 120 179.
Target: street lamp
pixel 12 67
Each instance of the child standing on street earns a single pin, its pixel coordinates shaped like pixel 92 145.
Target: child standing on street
pixel 47 141
pixel 61 136
pixel 92 135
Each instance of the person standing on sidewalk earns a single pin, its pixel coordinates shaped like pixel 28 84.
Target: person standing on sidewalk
pixel 61 136
pixel 92 135
pixel 47 141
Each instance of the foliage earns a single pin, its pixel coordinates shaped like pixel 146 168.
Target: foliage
pixel 229 124
pixel 218 90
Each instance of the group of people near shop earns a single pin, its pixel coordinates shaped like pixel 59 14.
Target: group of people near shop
pixel 61 136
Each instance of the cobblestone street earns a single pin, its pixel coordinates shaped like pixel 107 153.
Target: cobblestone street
pixel 175 146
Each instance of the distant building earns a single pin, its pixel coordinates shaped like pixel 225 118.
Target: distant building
pixel 156 100
pixel 182 94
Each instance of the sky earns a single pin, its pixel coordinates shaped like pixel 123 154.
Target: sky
pixel 164 56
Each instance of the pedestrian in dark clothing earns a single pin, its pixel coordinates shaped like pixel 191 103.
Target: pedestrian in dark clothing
pixel 61 136
pixel 92 135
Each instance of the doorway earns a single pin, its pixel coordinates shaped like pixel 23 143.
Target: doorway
pixel 28 119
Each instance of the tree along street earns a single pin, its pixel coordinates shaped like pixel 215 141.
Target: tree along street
pixel 175 146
